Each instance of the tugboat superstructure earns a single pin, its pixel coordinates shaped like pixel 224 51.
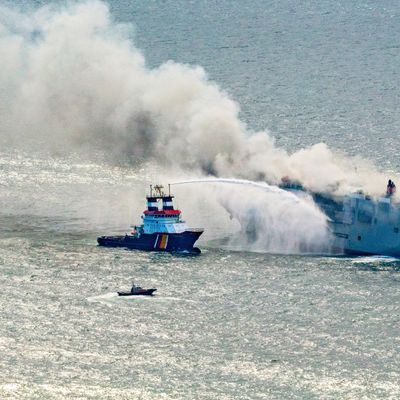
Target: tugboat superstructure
pixel 162 228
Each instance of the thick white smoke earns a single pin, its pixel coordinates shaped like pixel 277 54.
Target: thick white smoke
pixel 269 219
pixel 71 79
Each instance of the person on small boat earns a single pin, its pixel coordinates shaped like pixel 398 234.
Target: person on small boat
pixel 390 188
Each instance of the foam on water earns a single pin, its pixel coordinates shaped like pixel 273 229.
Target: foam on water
pixel 375 260
pixel 113 298
pixel 107 298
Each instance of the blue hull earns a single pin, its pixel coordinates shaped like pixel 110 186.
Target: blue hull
pixel 167 242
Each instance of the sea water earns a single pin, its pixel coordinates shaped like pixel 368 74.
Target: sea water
pixel 231 323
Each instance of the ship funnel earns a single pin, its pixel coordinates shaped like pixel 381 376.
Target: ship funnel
pixel 167 203
pixel 152 203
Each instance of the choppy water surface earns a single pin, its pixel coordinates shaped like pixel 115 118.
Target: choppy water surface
pixel 227 324
pixel 224 325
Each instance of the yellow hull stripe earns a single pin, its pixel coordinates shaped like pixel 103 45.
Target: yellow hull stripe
pixel 163 241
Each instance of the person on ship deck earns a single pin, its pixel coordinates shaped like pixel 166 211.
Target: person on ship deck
pixel 390 188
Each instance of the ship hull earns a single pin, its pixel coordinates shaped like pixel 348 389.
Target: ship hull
pixel 164 242
pixel 141 292
pixel 359 240
pixel 360 224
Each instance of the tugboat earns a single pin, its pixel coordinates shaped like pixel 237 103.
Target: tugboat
pixel 162 228
pixel 137 291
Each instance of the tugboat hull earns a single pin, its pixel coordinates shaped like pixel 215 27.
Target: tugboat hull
pixel 168 242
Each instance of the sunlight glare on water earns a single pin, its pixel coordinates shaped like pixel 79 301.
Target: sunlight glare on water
pixel 236 322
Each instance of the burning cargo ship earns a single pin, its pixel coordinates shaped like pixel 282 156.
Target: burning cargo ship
pixel 359 223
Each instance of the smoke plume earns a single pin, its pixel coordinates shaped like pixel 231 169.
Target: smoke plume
pixel 72 79
pixel 73 82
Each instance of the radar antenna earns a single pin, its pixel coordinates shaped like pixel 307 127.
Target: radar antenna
pixel 159 190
